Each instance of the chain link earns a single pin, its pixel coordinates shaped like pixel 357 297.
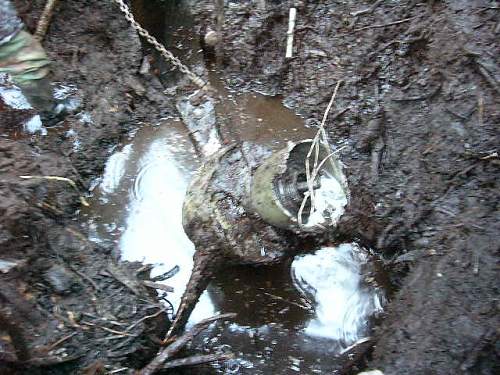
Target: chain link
pixel 158 46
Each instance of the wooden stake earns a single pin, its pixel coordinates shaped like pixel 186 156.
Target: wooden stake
pixel 291 28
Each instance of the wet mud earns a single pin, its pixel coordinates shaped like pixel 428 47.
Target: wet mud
pixel 67 304
pixel 420 127
pixel 417 112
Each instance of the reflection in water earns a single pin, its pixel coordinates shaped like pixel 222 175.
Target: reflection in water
pixel 139 202
pixel 258 119
pixel 332 280
pixel 115 169
pixel 296 317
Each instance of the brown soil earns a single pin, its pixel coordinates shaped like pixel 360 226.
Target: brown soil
pixel 422 142
pixel 421 131
pixel 69 300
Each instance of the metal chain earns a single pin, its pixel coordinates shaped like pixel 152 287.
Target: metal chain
pixel 158 46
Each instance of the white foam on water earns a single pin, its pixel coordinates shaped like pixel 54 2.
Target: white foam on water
pixel 331 280
pixel 114 170
pixel 329 202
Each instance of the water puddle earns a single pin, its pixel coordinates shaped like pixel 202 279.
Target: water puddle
pixel 296 317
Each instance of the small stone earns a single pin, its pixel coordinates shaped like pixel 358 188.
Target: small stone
pixel 145 66
pixel 422 242
pixel 211 38
pixel 60 279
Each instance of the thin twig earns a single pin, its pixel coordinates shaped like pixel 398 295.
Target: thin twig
pixel 72 183
pixel 167 275
pixel 179 343
pixel 107 329
pixel 129 328
pixel 153 285
pixel 118 370
pixel 85 277
pixel 198 360
pixel 291 27
pixel 383 25
pixel 60 341
pixel 43 23
pixel 319 138
pixel 370 9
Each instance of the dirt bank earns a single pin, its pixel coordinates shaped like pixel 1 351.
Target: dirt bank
pixel 63 298
pixel 421 129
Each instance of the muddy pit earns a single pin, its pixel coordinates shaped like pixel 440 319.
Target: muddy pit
pixel 417 115
pixel 297 316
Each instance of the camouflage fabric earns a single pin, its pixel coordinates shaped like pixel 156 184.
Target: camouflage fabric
pixel 10 24
pixel 24 59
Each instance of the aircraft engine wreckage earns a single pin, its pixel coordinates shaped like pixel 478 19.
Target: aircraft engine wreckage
pixel 243 208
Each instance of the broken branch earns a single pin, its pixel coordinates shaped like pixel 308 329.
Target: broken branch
pixel 383 25
pixel 179 343
pixel 44 22
pixel 198 360
pixel 291 27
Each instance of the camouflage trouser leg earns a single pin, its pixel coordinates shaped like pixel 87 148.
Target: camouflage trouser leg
pixel 23 58
pixel 25 61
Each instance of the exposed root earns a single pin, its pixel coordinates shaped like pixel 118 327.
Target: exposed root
pixel 174 348
pixel 44 22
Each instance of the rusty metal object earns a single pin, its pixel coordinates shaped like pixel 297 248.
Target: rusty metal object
pixel 219 219
pixel 279 184
pixel 242 208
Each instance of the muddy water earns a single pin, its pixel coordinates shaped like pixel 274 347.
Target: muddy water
pixel 296 317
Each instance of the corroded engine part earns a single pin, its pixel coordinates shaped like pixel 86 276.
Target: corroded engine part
pixel 279 184
pixel 217 214
pixel 218 218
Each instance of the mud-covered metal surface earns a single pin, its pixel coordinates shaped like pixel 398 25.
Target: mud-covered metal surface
pixel 279 187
